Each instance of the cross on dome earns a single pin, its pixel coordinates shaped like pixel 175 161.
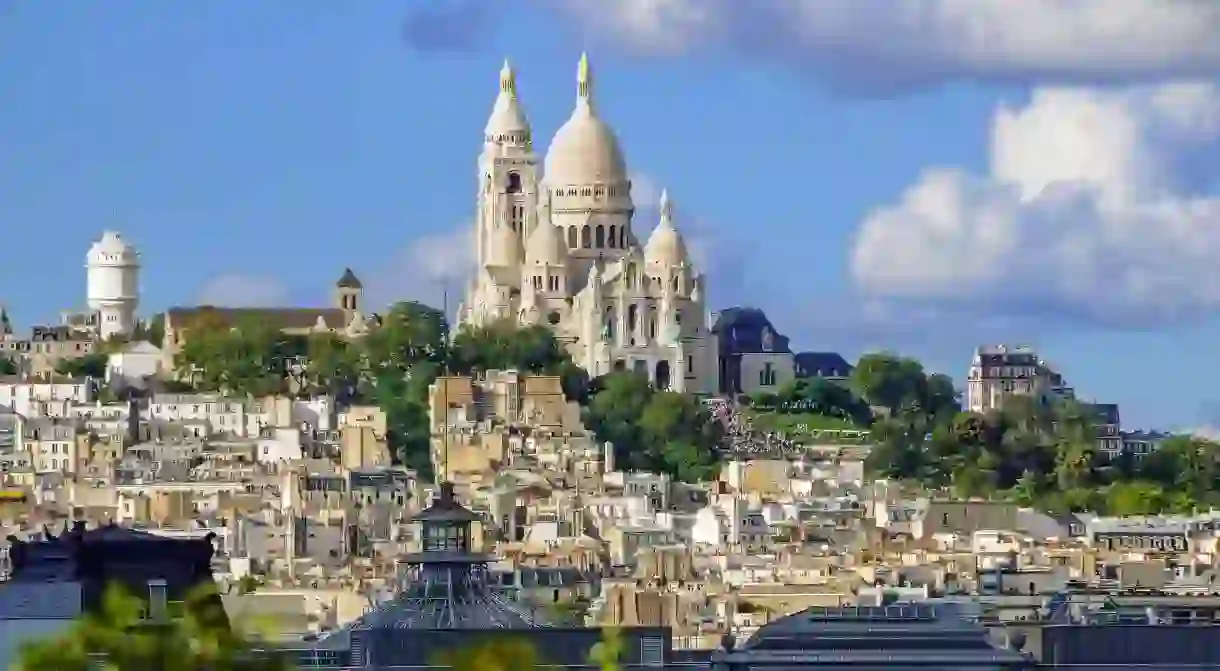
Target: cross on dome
pixel 584 81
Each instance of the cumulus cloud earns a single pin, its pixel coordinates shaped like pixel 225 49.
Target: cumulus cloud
pixel 910 42
pixel 1089 206
pixel 243 291
pixel 426 268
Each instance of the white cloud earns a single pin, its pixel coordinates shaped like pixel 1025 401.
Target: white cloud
pixel 243 291
pixel 426 268
pixel 1087 207
pixel 912 41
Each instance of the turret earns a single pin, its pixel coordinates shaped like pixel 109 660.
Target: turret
pixel 507 125
pixel 349 291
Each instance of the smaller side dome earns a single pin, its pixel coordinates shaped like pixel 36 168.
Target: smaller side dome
pixel 665 246
pixel 546 246
pixel 503 251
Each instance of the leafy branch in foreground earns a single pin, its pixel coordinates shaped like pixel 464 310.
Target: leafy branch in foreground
pixel 120 637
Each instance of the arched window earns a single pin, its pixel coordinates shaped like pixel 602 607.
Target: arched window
pixel 676 283
pixel 572 237
pixel 600 236
pixel 622 238
pixel 613 237
pixel 514 182
pixel 586 236
pixel 632 318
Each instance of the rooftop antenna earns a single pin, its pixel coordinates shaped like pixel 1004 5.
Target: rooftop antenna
pixel 445 372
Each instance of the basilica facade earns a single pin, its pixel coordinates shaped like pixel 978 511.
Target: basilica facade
pixel 555 245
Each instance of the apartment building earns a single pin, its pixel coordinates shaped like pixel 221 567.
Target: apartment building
pixel 1002 371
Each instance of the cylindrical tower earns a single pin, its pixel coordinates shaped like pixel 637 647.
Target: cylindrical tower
pixel 113 284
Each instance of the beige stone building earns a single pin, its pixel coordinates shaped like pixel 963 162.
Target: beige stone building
pixel 362 438
pixel 471 419
pixel 39 354
pixel 555 246
pixel 1001 372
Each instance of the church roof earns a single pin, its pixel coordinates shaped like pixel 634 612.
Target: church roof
pixel 585 149
pixel 507 117
pixel 284 318
pixel 349 280
pixel 446 508
pixel 665 246
pixel 746 330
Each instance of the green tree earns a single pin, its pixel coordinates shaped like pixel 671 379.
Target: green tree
pixel 410 333
pixel 823 397
pixel 89 365
pixel 530 349
pixel 1135 498
pixel 248 358
pixel 889 381
pixel 122 639
pixel 334 365
pixel 662 432
pixel 152 331
pixel 8 366
pixel 500 653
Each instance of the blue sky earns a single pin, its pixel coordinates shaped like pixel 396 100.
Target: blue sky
pixel 914 180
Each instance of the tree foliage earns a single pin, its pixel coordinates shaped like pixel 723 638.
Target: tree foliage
pixel 1040 452
pixel 818 396
pixel 121 638
pixel 657 431
pixel 249 358
pixel 392 367
pixel 89 365
pixel 7 365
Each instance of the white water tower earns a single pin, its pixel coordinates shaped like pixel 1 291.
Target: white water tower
pixel 113 284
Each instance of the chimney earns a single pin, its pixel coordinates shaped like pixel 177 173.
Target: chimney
pixel 133 421
pixel 158 606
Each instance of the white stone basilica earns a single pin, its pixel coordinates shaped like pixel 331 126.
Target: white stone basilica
pixel 555 246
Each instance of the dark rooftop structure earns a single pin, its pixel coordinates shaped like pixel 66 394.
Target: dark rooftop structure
pixel 61 576
pixel 746 330
pixel 743 331
pixel 113 554
pixel 829 365
pixel 446 599
pixel 349 280
pixel 890 638
pixel 446 585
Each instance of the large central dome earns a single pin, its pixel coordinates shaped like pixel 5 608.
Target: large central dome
pixel 585 149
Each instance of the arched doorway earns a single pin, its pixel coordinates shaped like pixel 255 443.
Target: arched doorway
pixel 662 379
pixel 620 366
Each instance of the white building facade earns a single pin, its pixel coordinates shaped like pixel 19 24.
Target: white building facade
pixel 113 280
pixel 555 246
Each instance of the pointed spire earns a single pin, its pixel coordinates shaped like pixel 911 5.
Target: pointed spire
pixel 507 122
pixel 584 81
pixel 508 79
pixel 667 208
